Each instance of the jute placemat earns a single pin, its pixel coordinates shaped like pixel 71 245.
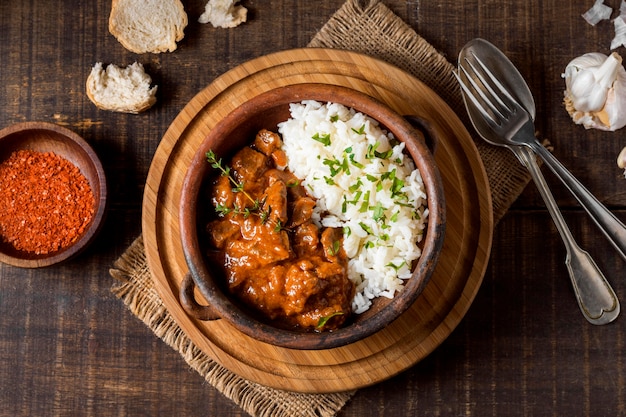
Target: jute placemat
pixel 366 26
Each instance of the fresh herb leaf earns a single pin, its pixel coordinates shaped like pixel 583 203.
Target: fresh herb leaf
pixel 360 131
pixel 222 210
pixel 396 267
pixel 371 149
pixel 396 186
pixel 279 226
pixel 333 164
pixel 379 212
pixel 356 186
pixel 334 249
pixel 366 228
pixel 366 202
pixel 357 197
pixel 383 155
pixel 356 163
pixel 324 139
pixel 323 320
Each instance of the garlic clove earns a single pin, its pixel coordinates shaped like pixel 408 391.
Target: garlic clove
pixel 587 96
pixel 621 159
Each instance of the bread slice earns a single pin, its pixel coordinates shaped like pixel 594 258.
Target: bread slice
pixel 148 25
pixel 118 89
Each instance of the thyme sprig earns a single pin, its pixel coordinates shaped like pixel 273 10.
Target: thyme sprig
pixel 238 187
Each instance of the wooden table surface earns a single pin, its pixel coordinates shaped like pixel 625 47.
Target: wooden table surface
pixel 69 347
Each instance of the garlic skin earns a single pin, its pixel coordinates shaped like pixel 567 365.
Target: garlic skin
pixel 595 94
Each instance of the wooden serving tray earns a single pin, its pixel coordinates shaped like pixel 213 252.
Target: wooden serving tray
pixel 422 327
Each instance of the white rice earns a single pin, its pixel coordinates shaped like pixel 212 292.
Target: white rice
pixel 380 235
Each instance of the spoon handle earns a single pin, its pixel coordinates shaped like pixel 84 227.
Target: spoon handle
pixel 596 299
pixel 612 228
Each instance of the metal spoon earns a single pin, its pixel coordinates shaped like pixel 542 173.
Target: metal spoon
pixel 509 76
pixel 594 295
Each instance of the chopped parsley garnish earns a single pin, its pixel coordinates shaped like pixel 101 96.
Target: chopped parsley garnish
pixel 360 131
pixel 324 139
pixel 366 228
pixel 379 212
pixel 396 267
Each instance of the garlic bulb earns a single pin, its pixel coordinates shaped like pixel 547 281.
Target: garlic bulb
pixel 595 94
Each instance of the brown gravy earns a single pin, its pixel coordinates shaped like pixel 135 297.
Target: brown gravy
pixel 277 261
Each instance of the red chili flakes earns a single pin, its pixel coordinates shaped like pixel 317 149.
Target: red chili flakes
pixel 45 202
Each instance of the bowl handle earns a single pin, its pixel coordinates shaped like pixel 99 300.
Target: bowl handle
pixel 189 303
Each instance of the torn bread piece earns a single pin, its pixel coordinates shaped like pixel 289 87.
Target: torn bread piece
pixel 148 25
pixel 224 13
pixel 125 90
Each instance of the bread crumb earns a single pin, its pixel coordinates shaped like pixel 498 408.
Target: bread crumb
pixel 224 13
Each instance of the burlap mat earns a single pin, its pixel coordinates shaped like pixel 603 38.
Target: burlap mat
pixel 366 26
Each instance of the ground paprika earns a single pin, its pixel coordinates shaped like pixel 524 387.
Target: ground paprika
pixel 45 202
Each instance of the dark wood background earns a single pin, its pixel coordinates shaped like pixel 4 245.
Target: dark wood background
pixel 69 347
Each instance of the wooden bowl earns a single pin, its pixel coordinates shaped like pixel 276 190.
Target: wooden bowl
pixel 48 137
pixel 237 130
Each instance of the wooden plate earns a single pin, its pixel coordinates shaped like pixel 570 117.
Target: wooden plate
pixel 445 299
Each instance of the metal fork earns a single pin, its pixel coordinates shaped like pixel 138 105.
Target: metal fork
pixel 502 122
pixel 513 125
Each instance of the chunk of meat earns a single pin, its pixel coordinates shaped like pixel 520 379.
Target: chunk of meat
pixel 262 245
pixel 275 202
pixel 267 141
pixel 248 165
pixel 301 211
pixel 267 293
pixel 332 242
pixel 220 232
pixel 301 282
pixel 222 192
pixel 280 159
pixel 295 190
pixel 306 239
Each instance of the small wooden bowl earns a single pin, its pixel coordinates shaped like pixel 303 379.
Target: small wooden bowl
pixel 48 137
pixel 237 130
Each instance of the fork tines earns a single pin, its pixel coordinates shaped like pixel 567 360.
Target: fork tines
pixel 484 90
